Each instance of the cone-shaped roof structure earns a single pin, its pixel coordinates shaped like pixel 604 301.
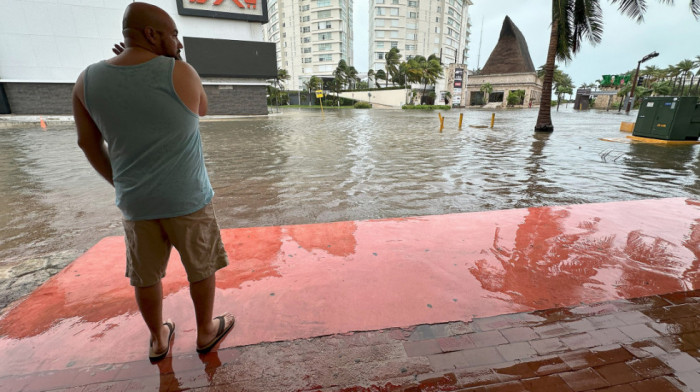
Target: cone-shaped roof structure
pixel 510 54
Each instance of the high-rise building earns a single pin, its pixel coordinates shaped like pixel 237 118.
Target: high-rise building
pixel 419 27
pixel 311 36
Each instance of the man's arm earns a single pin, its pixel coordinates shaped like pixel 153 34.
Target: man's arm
pixel 188 87
pixel 89 137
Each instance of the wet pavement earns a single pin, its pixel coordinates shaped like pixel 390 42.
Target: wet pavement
pixel 545 298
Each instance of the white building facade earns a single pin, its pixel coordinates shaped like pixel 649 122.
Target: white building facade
pixel 419 27
pixel 45 44
pixel 311 37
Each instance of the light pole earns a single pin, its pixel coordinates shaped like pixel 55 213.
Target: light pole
pixel 634 81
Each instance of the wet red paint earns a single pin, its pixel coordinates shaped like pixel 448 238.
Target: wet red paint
pixel 300 281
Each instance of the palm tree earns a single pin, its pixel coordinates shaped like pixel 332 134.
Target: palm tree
pixel 486 89
pixel 685 67
pixel 351 76
pixel 424 71
pixel 563 85
pixel 313 84
pixel 572 22
pixel 393 59
pixel 370 75
pixel 661 88
pixel 379 75
pixel 697 64
pixel 673 73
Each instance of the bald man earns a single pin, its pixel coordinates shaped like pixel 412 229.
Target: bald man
pixel 137 117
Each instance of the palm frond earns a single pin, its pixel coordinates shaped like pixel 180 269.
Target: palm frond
pixel 635 9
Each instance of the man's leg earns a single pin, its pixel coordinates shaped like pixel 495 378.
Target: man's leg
pixel 150 301
pixel 202 294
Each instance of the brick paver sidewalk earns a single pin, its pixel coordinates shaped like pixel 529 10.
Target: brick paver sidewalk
pixel 644 344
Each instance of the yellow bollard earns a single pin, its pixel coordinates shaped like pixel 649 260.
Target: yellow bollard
pixel 460 120
pixel 493 119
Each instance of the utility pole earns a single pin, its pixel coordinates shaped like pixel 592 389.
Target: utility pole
pixel 630 101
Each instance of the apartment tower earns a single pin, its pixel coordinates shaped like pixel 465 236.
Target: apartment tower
pixel 311 36
pixel 419 27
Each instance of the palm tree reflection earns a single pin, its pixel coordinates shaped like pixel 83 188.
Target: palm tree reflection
pixel 552 263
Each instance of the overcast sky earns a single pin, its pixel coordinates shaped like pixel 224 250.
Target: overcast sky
pixel 670 30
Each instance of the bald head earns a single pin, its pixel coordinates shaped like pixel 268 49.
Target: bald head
pixel 149 27
pixel 141 15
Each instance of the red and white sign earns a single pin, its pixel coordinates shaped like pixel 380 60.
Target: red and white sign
pixel 250 10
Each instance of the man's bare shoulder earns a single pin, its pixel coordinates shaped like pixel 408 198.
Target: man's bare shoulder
pixel 185 70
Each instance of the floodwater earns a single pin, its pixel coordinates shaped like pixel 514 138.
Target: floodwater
pixel 299 166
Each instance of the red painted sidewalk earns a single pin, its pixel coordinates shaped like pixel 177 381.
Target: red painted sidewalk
pixel 294 282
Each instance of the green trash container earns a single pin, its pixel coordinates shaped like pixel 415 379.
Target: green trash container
pixel 668 118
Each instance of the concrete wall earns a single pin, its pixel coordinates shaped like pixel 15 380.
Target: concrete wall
pixel 237 100
pixel 389 98
pixel 39 98
pixel 506 83
pixel 55 98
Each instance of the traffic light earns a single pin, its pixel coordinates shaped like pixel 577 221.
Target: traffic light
pixel 640 81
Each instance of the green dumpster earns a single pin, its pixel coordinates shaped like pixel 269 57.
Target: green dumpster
pixel 668 118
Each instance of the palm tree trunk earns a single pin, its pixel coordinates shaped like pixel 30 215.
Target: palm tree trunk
pixel 544 116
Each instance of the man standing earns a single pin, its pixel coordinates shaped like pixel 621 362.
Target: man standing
pixel 137 116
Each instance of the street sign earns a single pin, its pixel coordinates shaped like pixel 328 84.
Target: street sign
pixel 319 93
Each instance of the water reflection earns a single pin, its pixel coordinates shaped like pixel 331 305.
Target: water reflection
pixel 547 258
pixel 303 167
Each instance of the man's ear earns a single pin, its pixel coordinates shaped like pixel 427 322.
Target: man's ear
pixel 151 35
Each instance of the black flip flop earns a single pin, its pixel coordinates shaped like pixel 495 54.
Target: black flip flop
pixel 158 357
pixel 219 335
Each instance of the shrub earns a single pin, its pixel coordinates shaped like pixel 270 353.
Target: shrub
pixel 362 105
pixel 426 107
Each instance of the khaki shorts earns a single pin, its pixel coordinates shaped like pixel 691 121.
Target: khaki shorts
pixel 195 236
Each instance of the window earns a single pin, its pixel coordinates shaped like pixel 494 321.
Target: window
pixel 325 36
pixel 305 7
pixel 380 44
pixel 411 36
pixel 394 1
pixel 410 47
pixel 381 11
pixel 394 44
pixel 324 47
pixel 379 34
pixel 305 18
pixel 380 1
pixel 323 3
pixel 305 29
pixel 306 40
pixel 324 25
pixel 306 60
pixel 437 30
pixel 323 14
pixel 437 19
pixel 379 22
pixel 411 25
pixel 394 23
pixel 412 3
pixel 306 50
pixel 325 57
pixel 380 55
pixel 412 15
pixel 394 34
pixel 394 11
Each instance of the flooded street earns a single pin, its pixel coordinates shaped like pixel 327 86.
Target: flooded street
pixel 299 166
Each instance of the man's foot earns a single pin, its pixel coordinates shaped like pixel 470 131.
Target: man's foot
pixel 153 354
pixel 226 322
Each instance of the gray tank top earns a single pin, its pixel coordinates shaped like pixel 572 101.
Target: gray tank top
pixel 153 139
